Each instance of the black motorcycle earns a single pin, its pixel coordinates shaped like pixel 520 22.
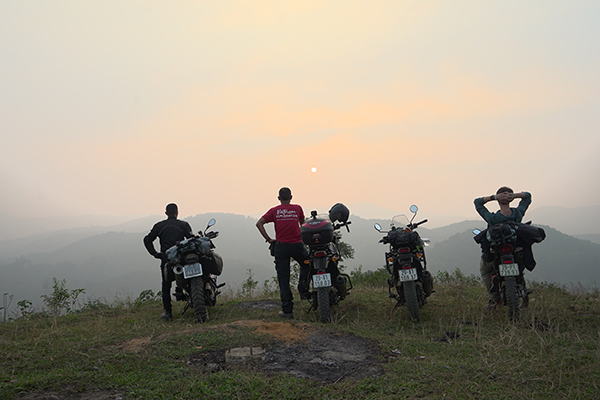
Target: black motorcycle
pixel 508 245
pixel 406 263
pixel 195 267
pixel 328 286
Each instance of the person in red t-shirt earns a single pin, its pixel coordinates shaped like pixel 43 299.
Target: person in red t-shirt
pixel 287 218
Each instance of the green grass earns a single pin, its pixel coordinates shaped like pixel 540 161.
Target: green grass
pixel 553 352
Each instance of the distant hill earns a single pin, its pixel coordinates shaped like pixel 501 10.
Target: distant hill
pixel 112 261
pixel 572 221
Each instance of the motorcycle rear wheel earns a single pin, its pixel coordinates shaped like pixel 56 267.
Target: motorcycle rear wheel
pixel 198 299
pixel 324 304
pixel 412 302
pixel 512 298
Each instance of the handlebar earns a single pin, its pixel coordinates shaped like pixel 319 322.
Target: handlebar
pixel 412 226
pixel 338 226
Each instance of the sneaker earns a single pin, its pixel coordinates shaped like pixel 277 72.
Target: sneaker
pixel 495 283
pixel 286 315
pixel 167 316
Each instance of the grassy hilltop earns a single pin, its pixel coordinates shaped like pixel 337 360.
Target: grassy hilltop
pixel 458 351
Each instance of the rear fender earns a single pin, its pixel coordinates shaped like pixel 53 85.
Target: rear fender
pixel 320 264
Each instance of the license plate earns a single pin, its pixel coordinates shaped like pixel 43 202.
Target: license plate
pixel 192 270
pixel 407 274
pixel 509 269
pixel 321 280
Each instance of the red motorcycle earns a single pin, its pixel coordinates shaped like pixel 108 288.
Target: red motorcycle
pixel 328 285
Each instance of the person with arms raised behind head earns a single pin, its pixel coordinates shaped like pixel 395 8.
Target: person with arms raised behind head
pixel 288 244
pixel 169 232
pixel 504 196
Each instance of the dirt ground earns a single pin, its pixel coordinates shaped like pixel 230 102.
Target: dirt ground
pixel 100 395
pixel 304 351
pixel 298 349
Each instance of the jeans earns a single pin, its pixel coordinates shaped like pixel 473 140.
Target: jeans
pixel 166 285
pixel 283 253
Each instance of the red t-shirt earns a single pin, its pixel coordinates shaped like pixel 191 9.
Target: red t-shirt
pixel 287 219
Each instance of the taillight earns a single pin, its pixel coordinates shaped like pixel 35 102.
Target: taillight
pixel 404 250
pixel 506 248
pixel 320 254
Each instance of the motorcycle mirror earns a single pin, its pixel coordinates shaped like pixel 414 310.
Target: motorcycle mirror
pixel 476 231
pixel 378 227
pixel 211 222
pixel 414 210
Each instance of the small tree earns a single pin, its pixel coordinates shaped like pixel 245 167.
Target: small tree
pixel 249 284
pixel 61 299
pixel 25 308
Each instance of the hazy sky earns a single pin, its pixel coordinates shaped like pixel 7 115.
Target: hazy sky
pixel 119 107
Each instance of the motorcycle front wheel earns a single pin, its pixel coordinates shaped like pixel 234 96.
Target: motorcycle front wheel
pixel 412 302
pixel 198 299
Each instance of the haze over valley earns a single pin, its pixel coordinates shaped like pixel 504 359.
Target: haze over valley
pixel 111 263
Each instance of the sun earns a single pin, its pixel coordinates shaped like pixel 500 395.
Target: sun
pixel 313 169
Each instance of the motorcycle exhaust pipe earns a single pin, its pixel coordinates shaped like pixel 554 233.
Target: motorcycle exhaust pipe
pixel 427 283
pixel 340 285
pixel 178 269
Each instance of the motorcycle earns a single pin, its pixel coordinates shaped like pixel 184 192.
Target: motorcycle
pixel 327 284
pixel 509 246
pixel 406 263
pixel 195 267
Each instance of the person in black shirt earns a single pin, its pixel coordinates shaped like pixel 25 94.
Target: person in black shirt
pixel 169 232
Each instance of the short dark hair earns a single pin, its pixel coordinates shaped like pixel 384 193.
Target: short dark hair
pixel 285 194
pixel 504 189
pixel 171 209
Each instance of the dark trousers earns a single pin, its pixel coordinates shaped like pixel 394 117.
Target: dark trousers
pixel 283 253
pixel 166 285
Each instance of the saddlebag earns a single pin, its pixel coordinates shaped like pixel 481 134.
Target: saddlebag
pixel 399 238
pixel 213 264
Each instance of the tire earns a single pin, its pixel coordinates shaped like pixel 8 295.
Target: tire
pixel 412 302
pixel 198 299
pixel 512 299
pixel 324 304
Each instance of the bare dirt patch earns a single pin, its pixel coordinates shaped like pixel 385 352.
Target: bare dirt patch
pixel 281 331
pixel 137 345
pixel 100 395
pixel 304 351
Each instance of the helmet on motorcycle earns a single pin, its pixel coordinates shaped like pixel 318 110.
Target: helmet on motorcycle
pixel 339 212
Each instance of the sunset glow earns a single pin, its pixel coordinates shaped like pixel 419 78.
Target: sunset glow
pixel 431 103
